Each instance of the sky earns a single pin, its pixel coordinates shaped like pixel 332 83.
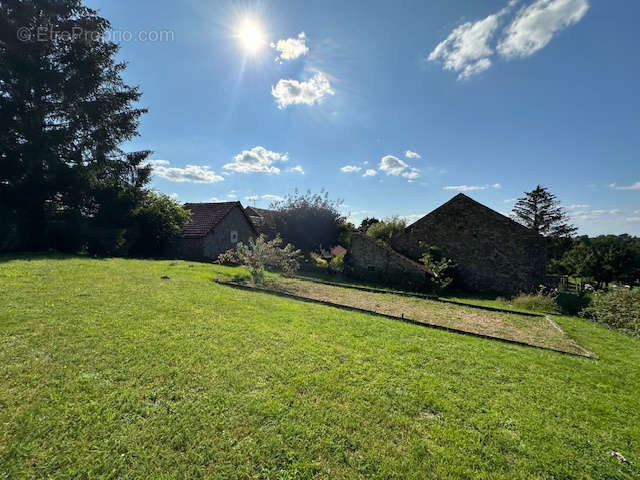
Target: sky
pixel 392 107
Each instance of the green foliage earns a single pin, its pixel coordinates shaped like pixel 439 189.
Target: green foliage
pixel 260 254
pixel 309 221
pixel 618 308
pixel 443 268
pixel 346 232
pixel 540 211
pixel 535 303
pixel 605 259
pixel 318 260
pixel 366 223
pixel 336 265
pixel 65 110
pixel 387 228
pixel 571 304
pixel 157 221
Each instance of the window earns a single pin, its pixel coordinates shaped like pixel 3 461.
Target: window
pixel 234 236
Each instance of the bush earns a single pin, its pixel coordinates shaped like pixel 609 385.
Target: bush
pixel 535 303
pixel 157 221
pixel 571 304
pixel 618 308
pixel 443 268
pixel 337 264
pixel 318 261
pixel 261 254
pixel 387 228
pixel 309 221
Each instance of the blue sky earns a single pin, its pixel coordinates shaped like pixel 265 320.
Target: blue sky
pixel 392 106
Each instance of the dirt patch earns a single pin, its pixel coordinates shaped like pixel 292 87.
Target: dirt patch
pixel 537 331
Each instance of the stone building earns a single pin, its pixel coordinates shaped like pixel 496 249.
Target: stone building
pixel 214 229
pixel 372 260
pixel 493 253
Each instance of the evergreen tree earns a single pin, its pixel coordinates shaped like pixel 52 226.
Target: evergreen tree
pixel 540 211
pixel 64 111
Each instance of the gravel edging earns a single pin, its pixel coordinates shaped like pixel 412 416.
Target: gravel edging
pixel 584 354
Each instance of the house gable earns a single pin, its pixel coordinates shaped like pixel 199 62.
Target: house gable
pixel 492 252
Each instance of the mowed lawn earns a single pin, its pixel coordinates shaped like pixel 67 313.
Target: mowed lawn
pixel 109 371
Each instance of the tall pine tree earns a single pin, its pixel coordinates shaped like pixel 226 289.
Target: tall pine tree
pixel 64 112
pixel 540 211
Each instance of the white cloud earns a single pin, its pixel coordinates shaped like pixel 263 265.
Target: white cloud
pixel 511 200
pixel 273 198
pixel 635 186
pixel 637 212
pixel 350 169
pixel 467 50
pixel 632 219
pixel 252 198
pixel 370 173
pixel 465 188
pixel 190 173
pixel 215 200
pixel 291 48
pixel 606 212
pixel 577 206
pixel 392 165
pixel 411 174
pixel 292 92
pixel 535 25
pixel 232 195
pixel 471 188
pixel 258 159
pixel 173 196
pixel 297 169
pixel 412 155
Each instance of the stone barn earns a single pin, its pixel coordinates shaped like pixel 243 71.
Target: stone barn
pixel 372 260
pixel 492 252
pixel 214 229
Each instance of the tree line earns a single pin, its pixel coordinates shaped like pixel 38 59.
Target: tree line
pixel 65 111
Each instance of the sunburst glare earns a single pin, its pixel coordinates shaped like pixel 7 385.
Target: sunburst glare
pixel 251 35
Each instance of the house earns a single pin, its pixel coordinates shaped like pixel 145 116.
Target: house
pixel 263 221
pixel 214 229
pixel 492 252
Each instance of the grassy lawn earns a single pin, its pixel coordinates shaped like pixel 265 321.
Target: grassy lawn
pixel 109 371
pixel 532 330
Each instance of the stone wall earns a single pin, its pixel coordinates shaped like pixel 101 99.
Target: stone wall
pixel 492 252
pixel 219 239
pixel 372 260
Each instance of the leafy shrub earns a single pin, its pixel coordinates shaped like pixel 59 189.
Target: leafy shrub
pixel 261 254
pixel 571 304
pixel 157 221
pixel 535 303
pixel 309 221
pixel 337 264
pixel 618 308
pixel 443 268
pixel 318 261
pixel 387 228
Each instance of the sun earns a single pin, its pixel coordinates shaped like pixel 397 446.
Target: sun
pixel 251 36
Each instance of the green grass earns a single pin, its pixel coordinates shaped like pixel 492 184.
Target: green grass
pixel 108 371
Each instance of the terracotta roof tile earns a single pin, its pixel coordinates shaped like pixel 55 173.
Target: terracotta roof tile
pixel 205 216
